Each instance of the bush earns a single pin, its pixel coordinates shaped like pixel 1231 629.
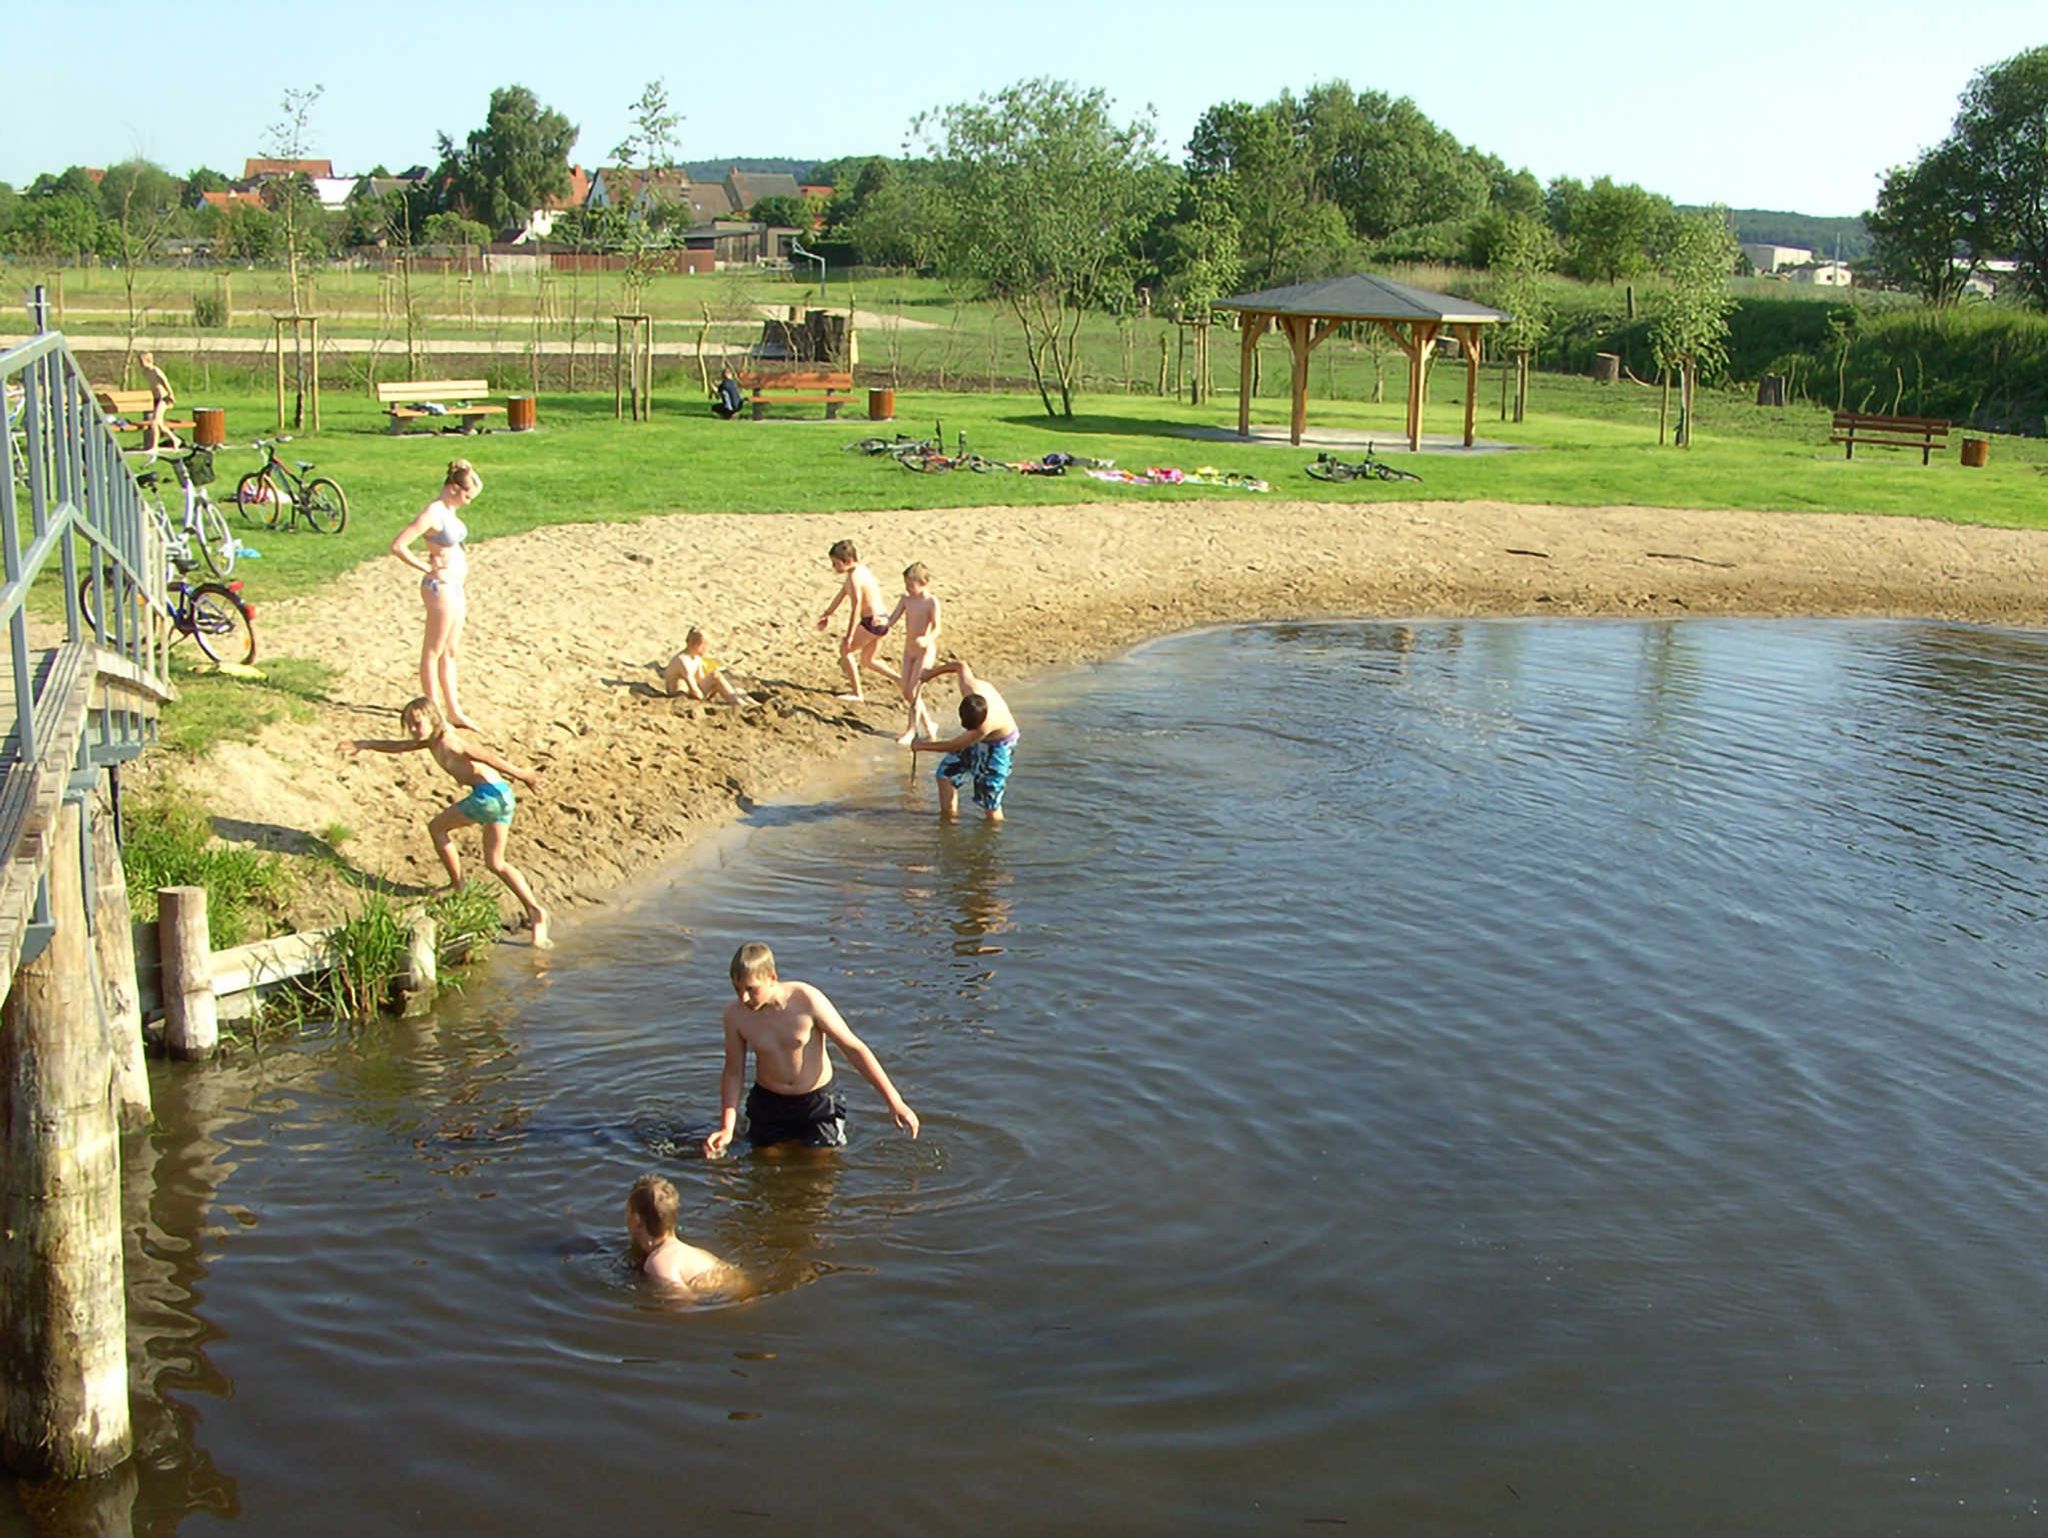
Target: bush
pixel 209 312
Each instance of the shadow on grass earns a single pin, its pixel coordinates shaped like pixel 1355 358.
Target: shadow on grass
pixel 1096 426
pixel 272 839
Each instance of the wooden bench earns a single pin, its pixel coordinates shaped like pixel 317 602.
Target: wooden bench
pixel 130 410
pixel 835 389
pixel 1881 432
pixel 406 401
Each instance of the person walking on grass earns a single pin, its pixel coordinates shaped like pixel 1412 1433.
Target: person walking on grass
pixel 489 804
pixel 444 573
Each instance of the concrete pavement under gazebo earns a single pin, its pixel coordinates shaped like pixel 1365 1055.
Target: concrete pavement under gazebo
pixel 1306 313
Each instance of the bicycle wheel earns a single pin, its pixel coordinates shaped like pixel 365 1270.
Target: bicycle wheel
pixel 870 445
pixel 1382 471
pixel 89 601
pixel 216 541
pixel 257 496
pixel 1333 470
pixel 219 621
pixel 926 464
pixel 326 507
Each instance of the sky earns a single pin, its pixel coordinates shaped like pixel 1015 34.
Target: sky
pixel 1756 108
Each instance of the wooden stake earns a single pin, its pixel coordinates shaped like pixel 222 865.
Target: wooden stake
pixel 191 1016
pixel 119 1000
pixel 63 1305
pixel 422 974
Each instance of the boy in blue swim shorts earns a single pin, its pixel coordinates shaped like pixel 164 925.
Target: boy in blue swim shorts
pixel 489 804
pixel 980 755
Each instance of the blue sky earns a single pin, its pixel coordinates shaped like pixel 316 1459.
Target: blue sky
pixel 1763 107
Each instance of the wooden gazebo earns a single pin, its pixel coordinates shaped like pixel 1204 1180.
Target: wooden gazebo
pixel 1305 313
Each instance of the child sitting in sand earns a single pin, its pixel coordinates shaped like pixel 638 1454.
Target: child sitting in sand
pixel 786 1027
pixel 489 804
pixel 690 672
pixel 918 609
pixel 651 1208
pixel 865 627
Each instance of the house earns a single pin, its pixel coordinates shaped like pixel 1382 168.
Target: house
pixel 332 191
pixel 541 222
pixel 1824 274
pixel 637 190
pixel 405 181
pixel 746 188
pixel 256 170
pixel 1767 258
pixel 224 201
pixel 739 242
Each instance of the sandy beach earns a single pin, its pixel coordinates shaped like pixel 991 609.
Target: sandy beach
pixel 568 628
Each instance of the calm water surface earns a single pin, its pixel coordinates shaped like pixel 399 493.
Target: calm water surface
pixel 1507 1077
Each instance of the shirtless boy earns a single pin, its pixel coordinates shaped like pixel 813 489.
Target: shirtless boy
pixel 980 752
pixel 786 1027
pixel 489 804
pixel 865 627
pixel 651 1208
pixel 690 672
pixel 918 609
pixel 155 435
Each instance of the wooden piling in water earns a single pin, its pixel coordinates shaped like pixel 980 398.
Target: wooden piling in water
pixel 191 1013
pixel 63 1308
pixel 422 974
pixel 119 997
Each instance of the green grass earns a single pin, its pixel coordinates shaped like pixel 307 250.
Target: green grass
pixel 169 842
pixel 214 707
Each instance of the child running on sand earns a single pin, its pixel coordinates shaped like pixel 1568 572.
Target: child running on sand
pixel 489 804
pixel 786 1026
pixel 690 672
pixel 862 595
pixel 651 1208
pixel 980 753
pixel 919 611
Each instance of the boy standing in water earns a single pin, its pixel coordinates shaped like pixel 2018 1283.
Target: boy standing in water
pixel 786 1026
pixel 865 627
pixel 918 608
pixel 981 752
pixel 651 1208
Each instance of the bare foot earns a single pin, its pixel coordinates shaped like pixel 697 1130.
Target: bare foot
pixel 906 739
pixel 851 699
pixel 457 718
pixel 541 942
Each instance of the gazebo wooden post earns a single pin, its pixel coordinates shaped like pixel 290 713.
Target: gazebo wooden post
pixel 1254 327
pixel 1468 337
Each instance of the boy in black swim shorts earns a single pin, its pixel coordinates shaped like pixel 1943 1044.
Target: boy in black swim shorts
pixel 787 1026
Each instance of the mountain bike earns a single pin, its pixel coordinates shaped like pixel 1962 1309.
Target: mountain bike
pixel 263 494
pixel 1371 468
pixel 897 445
pixel 201 533
pixel 213 613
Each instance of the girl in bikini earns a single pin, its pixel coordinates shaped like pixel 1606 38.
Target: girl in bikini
pixel 443 571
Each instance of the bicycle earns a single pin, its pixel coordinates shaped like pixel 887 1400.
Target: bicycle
pixel 202 532
pixel 1371 468
pixel 261 494
pixel 898 445
pixel 213 613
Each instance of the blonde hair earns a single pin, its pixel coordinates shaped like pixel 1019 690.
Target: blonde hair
pixel 654 1202
pixel 752 962
pixel 426 710
pixel 917 571
pixel 463 477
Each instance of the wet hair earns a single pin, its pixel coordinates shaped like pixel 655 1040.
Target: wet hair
pixel 844 551
pixel 693 637
pixel 973 711
pixel 463 477
pixel 427 711
pixel 654 1202
pixel 752 962
pixel 917 571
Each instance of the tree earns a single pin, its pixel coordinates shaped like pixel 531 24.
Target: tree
pixel 1927 227
pixel 451 229
pixel 1046 198
pixel 794 213
pixel 1385 164
pixel 289 196
pixel 1690 327
pixel 1524 253
pixel 1610 228
pixel 55 227
pixel 140 201
pixel 2001 129
pixel 204 179
pixel 652 142
pixel 517 162
pixel 1256 162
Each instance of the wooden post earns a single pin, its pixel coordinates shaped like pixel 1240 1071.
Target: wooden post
pixel 63 1305
pixel 277 339
pixel 191 1016
pixel 120 1002
pixel 422 975
pixel 1252 327
pixel 1297 329
pixel 1469 336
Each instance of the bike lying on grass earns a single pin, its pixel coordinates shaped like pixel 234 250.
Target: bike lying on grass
pixel 277 497
pixel 1371 468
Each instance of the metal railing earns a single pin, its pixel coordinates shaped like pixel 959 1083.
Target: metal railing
pixel 70 495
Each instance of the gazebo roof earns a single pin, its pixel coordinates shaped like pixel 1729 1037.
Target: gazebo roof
pixel 1363 296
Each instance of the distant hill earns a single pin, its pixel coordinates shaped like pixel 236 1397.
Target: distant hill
pixel 1816 232
pixel 714 170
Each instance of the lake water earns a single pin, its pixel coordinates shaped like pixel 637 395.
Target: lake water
pixel 1578 1078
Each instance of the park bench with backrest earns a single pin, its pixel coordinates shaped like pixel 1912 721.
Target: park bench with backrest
pixel 1854 428
pixel 130 409
pixel 773 386
pixel 428 400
